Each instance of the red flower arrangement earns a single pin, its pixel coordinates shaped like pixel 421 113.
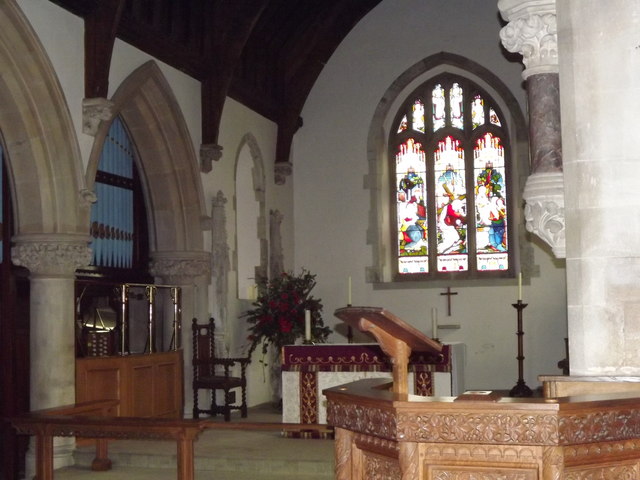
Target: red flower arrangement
pixel 278 316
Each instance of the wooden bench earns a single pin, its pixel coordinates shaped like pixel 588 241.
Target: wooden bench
pixel 91 420
pixel 94 420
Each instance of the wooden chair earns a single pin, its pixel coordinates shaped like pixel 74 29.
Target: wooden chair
pixel 214 373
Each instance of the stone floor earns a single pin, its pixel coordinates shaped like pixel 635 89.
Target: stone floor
pixel 220 454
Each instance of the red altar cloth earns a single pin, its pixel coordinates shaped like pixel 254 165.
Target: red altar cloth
pixel 308 361
pixel 357 357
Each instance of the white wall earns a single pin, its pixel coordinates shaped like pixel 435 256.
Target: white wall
pixel 331 216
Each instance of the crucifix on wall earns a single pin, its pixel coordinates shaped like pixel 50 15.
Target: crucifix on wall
pixel 449 293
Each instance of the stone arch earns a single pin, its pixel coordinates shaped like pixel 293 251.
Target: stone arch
pixel 379 214
pixel 259 189
pixel 167 161
pixel 44 161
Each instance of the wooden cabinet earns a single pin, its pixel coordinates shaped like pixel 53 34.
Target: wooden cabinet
pixel 147 385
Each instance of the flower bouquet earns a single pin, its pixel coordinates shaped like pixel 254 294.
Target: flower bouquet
pixel 278 316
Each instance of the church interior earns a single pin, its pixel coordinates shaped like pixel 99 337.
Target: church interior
pixel 255 138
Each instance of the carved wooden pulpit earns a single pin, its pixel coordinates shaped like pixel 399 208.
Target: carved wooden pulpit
pixel 396 338
pixel 396 436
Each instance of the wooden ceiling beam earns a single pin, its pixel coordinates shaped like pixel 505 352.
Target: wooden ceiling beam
pixel 100 28
pixel 224 42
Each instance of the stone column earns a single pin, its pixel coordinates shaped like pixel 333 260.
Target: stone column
pixel 599 56
pixel 52 261
pixel 192 272
pixel 532 32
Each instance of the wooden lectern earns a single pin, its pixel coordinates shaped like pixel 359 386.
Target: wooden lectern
pixel 396 338
pixel 396 436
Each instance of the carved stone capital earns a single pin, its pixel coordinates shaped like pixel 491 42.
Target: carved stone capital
pixel 51 255
pixel 281 171
pixel 180 268
pixel 532 32
pixel 544 209
pixel 209 153
pixel 95 110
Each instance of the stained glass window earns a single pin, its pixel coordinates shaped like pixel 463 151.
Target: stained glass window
pixel 477 111
pixel 450 180
pixel 455 102
pixel 451 205
pixel 438 107
pixel 493 117
pixel 403 124
pixel 411 210
pixel 418 115
pixel 491 208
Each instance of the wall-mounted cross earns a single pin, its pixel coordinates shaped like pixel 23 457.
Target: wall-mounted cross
pixel 448 293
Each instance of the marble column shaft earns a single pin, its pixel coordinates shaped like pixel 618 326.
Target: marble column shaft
pixel 544 122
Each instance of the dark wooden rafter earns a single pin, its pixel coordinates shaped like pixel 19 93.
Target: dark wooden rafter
pixel 223 46
pixel 100 28
pixel 265 54
pixel 304 60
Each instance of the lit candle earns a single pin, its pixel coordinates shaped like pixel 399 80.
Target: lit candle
pixel 307 325
pixel 519 285
pixel 434 322
pixel 349 292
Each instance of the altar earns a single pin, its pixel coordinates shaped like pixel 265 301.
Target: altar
pixel 309 369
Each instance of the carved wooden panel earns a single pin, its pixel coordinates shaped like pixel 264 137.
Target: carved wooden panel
pixel 629 471
pixel 480 462
pixel 362 419
pixel 379 467
pixel 484 473
pixel 475 427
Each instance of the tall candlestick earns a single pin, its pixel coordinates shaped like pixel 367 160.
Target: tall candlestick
pixel 349 291
pixel 434 322
pixel 307 325
pixel 519 285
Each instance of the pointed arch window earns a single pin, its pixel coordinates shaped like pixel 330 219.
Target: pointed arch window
pixel 451 194
pixel 118 220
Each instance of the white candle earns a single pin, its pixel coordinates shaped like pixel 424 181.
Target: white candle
pixel 519 285
pixel 307 325
pixel 349 292
pixel 434 322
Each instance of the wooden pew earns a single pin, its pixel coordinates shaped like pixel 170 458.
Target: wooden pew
pixel 91 420
pixel 95 420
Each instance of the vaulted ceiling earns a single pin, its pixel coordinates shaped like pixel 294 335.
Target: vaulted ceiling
pixel 266 54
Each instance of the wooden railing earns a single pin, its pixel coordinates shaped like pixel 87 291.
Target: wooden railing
pixel 94 420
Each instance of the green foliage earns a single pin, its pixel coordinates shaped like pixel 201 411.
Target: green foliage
pixel 278 315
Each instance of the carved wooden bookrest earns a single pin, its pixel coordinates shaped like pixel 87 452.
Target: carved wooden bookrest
pixel 396 338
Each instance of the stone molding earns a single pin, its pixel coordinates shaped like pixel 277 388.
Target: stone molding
pixel 544 209
pixel 180 268
pixel 532 31
pixel 53 255
pixel 209 153
pixel 94 111
pixel 281 171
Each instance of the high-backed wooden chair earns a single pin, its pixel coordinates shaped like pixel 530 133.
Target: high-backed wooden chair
pixel 214 373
